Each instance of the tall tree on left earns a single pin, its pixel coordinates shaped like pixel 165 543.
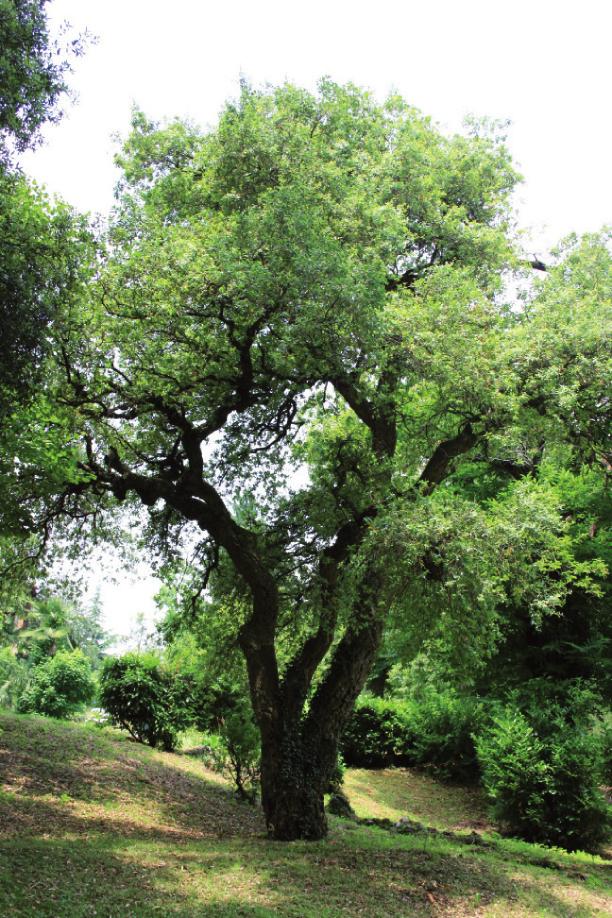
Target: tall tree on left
pixel 35 236
pixel 41 241
pixel 33 71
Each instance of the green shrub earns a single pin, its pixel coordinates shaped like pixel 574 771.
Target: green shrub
pixel 604 733
pixel 60 686
pixel 442 725
pixel 14 676
pixel 235 750
pixel 220 707
pixel 543 784
pixel 377 734
pixel 143 698
pixel 337 776
pixel 212 699
pixel 435 731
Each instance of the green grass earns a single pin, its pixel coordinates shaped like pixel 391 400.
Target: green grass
pixel 92 824
pixel 395 792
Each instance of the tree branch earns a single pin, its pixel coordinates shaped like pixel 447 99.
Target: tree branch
pixel 300 672
pixel 437 466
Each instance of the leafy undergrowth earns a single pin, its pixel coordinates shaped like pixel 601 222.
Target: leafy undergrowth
pixel 94 825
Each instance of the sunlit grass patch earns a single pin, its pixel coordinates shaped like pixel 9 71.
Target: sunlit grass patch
pixel 94 825
pixel 395 792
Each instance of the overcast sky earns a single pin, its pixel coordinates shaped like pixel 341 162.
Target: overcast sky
pixel 544 64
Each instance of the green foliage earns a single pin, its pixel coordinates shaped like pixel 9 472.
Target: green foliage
pixel 543 777
pixel 442 724
pixel 40 253
pixel 235 749
pixel 60 686
pixel 603 730
pixel 37 626
pixel 377 734
pixel 14 674
pixel 141 696
pixel 33 69
pixel 317 284
pixel 478 583
pixel 434 731
pixel 217 698
pixel 42 248
pixel 337 776
pixel 571 314
pixel 85 630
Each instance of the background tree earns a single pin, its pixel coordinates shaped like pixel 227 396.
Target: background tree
pixel 41 249
pixel 39 263
pixel 35 237
pixel 563 457
pixel 35 626
pixel 296 338
pixel 33 71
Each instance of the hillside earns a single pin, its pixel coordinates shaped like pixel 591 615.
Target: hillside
pixel 92 824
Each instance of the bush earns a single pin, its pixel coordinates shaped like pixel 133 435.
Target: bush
pixel 235 750
pixel 435 731
pixel 144 699
pixel 14 677
pixel 337 776
pixel 441 729
pixel 543 784
pixel 377 734
pixel 220 707
pixel 59 687
pixel 603 731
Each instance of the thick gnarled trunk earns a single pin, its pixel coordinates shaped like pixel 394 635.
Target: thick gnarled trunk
pixel 295 775
pixel 299 757
pixel 292 800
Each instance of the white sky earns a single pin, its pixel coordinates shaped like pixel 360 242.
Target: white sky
pixel 544 64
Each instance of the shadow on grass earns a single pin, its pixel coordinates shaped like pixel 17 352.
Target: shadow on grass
pixel 60 879
pixel 182 846
pixel 99 871
pixel 40 758
pixel 397 792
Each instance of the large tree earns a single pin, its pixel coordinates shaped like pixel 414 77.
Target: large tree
pixel 40 257
pixel 41 253
pixel 296 334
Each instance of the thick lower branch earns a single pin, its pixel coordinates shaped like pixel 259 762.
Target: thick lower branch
pixel 438 465
pixel 347 674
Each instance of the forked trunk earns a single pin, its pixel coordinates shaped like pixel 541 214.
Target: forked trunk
pixel 299 758
pixel 299 741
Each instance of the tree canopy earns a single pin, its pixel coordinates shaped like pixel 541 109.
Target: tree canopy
pixel 41 253
pixel 33 71
pixel 36 235
pixel 295 339
pixel 39 260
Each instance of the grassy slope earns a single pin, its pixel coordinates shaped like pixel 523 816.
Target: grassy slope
pixel 94 825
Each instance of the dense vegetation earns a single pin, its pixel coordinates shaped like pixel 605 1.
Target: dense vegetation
pixel 366 472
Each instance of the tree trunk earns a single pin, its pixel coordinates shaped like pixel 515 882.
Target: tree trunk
pixel 299 757
pixel 299 742
pixel 292 786
pixel 295 811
